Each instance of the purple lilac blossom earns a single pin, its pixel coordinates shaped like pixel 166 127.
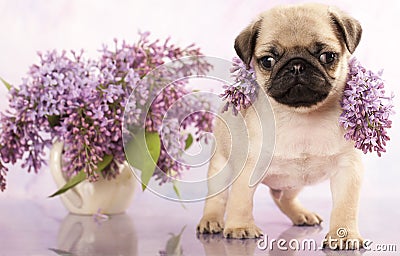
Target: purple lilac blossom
pixel 244 89
pixel 191 113
pixel 82 102
pixel 366 109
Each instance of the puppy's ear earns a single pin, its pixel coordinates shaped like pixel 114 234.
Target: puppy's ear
pixel 245 42
pixel 348 28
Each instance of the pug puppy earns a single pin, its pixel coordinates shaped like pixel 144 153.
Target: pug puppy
pixel 300 54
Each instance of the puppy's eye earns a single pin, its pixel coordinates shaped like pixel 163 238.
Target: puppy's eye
pixel 327 57
pixel 267 62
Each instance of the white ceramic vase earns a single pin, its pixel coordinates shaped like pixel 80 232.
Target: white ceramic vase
pixel 108 196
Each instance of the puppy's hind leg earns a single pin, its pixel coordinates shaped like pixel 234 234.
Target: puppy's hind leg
pixel 289 204
pixel 214 209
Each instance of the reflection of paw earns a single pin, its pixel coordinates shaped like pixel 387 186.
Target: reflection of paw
pixel 240 246
pixel 213 244
pixel 342 239
pixel 242 232
pixel 209 238
pixel 237 243
pixel 211 225
pixel 297 232
pixel 306 218
pixel 343 253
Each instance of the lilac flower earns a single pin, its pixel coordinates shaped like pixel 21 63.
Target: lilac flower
pixel 170 164
pixel 174 110
pixel 243 92
pixel 100 217
pixel 366 109
pixel 81 102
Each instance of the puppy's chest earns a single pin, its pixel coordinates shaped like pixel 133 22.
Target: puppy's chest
pixel 305 136
pixel 284 173
pixel 306 151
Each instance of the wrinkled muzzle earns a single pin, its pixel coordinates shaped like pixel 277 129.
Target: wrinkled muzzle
pixel 299 84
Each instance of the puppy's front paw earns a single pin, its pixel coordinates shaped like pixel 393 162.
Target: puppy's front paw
pixel 343 239
pixel 306 218
pixel 211 225
pixel 242 231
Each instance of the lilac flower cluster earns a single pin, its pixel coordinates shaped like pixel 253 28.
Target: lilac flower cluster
pixel 81 102
pixel 366 109
pixel 174 110
pixel 172 143
pixel 189 112
pixel 244 89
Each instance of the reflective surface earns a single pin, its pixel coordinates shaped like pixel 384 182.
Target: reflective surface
pixel 155 226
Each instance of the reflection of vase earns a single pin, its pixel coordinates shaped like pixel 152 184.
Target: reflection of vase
pixel 109 196
pixel 82 235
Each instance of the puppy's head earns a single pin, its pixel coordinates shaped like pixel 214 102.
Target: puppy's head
pixel 300 53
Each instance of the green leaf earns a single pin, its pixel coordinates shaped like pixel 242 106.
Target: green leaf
pixel 173 246
pixel 178 194
pixel 81 176
pixel 176 189
pixel 104 163
pixel 54 120
pixel 142 152
pixel 188 141
pixel 61 252
pixel 8 86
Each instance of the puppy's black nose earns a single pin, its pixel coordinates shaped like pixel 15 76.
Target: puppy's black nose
pixel 297 67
